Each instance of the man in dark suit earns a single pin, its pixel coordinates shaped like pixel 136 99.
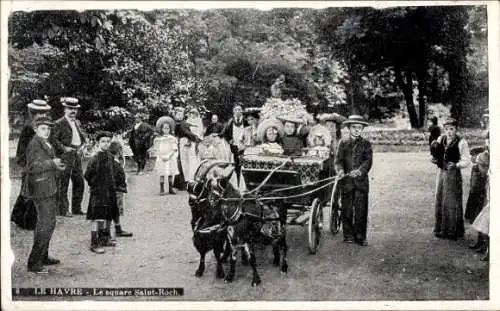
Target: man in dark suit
pixel 24 211
pixel 215 127
pixel 140 141
pixel 233 134
pixel 67 137
pixel 354 157
pixel 41 187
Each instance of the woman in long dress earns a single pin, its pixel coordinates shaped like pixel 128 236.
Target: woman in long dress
pixel 188 151
pixel 452 154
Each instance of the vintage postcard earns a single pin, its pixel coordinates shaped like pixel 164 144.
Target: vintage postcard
pixel 249 155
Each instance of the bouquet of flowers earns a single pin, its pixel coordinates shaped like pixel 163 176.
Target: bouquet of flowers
pixel 276 108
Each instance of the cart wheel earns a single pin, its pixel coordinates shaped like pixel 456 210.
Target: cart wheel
pixel 315 226
pixel 335 218
pixel 334 211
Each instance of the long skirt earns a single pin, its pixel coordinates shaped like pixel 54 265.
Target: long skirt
pixel 482 222
pixel 448 204
pixel 24 213
pixel 189 159
pixel 477 194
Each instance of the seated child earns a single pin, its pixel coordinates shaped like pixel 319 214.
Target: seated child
pixel 319 142
pixel 270 132
pixel 292 144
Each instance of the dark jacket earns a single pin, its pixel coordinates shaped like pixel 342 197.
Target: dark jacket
pixel 41 171
pixel 62 134
pixel 143 136
pixel 435 132
pixel 100 178
pixel 292 145
pixel 182 129
pixel 214 128
pixel 119 176
pixel 26 135
pixel 444 152
pixel 354 154
pixel 227 133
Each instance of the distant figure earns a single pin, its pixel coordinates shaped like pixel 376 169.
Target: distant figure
pixel 215 127
pixel 140 141
pixel 276 87
pixel 434 130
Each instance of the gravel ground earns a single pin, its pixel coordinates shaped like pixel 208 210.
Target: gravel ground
pixel 402 262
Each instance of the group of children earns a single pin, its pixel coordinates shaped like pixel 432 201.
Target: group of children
pixel 289 136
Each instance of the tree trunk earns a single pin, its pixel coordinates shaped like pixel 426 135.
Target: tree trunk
pixel 406 85
pixel 422 95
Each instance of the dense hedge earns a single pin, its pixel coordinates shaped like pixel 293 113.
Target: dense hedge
pixel 474 137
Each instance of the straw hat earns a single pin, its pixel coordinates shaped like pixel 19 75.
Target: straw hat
pixel 450 121
pixel 335 117
pixel 39 105
pixel 163 120
pixel 355 119
pixel 253 112
pixel 70 102
pixel 266 124
pixel 291 119
pixel 39 120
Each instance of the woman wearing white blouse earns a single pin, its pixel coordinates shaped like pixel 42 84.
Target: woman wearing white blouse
pixel 452 154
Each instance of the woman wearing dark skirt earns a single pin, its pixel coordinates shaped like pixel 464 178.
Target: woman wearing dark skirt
pixel 102 202
pixel 477 193
pixel 452 155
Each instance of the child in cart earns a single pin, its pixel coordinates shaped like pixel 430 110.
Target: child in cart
pixel 165 148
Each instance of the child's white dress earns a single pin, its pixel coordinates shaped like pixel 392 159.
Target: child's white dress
pixel 166 150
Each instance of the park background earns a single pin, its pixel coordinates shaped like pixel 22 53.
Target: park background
pixel 396 66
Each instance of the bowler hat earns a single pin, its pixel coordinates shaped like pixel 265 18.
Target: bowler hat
pixel 355 119
pixel 70 102
pixel 39 104
pixel 102 134
pixel 39 120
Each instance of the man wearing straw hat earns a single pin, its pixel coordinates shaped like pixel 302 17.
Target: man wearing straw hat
pixel 41 186
pixel 68 137
pixel 24 212
pixel 353 162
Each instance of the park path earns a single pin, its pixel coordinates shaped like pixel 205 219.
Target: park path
pixel 403 261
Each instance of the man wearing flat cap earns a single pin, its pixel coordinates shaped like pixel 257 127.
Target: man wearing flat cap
pixel 24 212
pixel 67 137
pixel 353 162
pixel 41 186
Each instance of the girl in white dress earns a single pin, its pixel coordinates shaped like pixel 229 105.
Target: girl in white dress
pixel 165 148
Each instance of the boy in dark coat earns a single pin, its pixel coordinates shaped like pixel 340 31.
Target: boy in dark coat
pixel 41 186
pixel 354 157
pixel 102 201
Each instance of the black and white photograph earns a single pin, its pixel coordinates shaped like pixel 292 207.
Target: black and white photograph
pixel 277 152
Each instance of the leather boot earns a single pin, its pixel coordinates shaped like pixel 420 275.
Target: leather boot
pixel 105 239
pixel 122 233
pixel 95 243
